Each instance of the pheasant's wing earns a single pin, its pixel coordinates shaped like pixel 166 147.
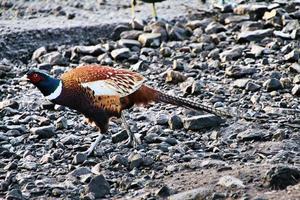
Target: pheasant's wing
pixel 106 81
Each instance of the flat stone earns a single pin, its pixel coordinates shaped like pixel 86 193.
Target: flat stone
pixel 241 83
pixel 119 137
pixel 99 186
pixel 121 54
pixel 233 19
pixel 250 135
pixel 9 103
pixel 150 39
pixel 257 35
pixel 38 53
pixel 132 34
pixel 202 121
pixel 214 27
pixel 174 77
pixel 179 33
pixel 295 67
pixel 163 192
pixel 53 58
pixel 238 71
pixel 95 50
pixel 292 56
pixel 280 177
pixel 129 43
pixel 135 160
pixel 272 84
pixel 120 159
pixel 175 122
pixel 296 90
pixel 232 54
pixel 14 194
pixel 162 119
pixel 43 131
pixel 79 158
pixel 80 172
pixel 256 50
pixel 198 193
pixel 253 87
pixel 230 181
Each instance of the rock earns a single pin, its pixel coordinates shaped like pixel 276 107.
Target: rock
pixel 118 30
pixel 14 194
pixel 95 50
pixel 253 87
pixel 214 27
pixel 162 119
pixel 135 160
pixel 129 43
pixel 121 54
pixel 47 158
pixel 120 159
pixel 293 56
pixel 202 121
pixel 174 77
pixel 80 172
pixel 296 90
pixel 238 71
pixel 280 177
pixel 257 35
pixel 38 53
pixel 119 137
pixel 165 51
pixel 232 54
pixel 131 35
pixel 11 166
pixel 272 84
pixel 175 122
pixel 9 103
pixel 234 19
pixel 230 181
pixel 198 193
pixel 295 67
pixel 79 158
pixel 61 123
pixel 241 83
pixel 250 135
pixel 53 58
pixel 43 131
pixel 150 39
pixel 178 65
pixel 163 192
pixel 179 34
pixel 137 24
pixel 99 186
pixel 256 50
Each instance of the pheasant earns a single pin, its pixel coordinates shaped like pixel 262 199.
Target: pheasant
pixel 101 92
pixel 154 13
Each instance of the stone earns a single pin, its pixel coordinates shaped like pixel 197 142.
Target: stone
pixel 9 103
pixel 253 87
pixel 272 84
pixel 135 160
pixel 121 54
pixel 81 171
pixel 238 71
pixel 250 135
pixel 99 186
pixel 95 50
pixel 198 193
pixel 256 35
pixel 279 177
pixel 38 53
pixel 129 43
pixel 174 77
pixel 214 27
pixel 79 158
pixel 119 137
pixel 47 158
pixel 165 51
pixel 241 83
pixel 202 121
pixel 292 56
pixel 232 54
pixel 179 33
pixel 88 59
pixel 234 19
pixel 163 192
pixel 295 67
pixel 11 166
pixel 296 90
pixel 162 119
pixel 230 181
pixel 118 30
pixel 178 65
pixel 150 39
pixel 256 50
pixel 43 131
pixel 175 122
pixel 61 123
pixel 14 194
pixel 53 58
pixel 131 34
pixel 120 159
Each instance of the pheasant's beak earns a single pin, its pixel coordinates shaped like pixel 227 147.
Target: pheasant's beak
pixel 24 78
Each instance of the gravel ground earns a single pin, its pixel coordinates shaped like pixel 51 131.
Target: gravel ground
pixel 242 58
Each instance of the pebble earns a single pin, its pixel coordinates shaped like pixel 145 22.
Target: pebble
pixel 272 84
pixel 202 121
pixel 175 122
pixel 121 54
pixel 256 35
pixel 230 181
pixel 135 160
pixel 279 177
pixel 150 39
pixel 175 77
pixel 98 186
pixel 43 131
pixel 79 158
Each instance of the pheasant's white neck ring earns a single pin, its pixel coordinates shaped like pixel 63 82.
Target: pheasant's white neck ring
pixel 55 93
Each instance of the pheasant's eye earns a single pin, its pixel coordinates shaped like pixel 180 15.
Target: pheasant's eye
pixel 35 78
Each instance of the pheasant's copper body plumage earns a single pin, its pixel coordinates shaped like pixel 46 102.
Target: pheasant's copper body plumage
pixel 101 92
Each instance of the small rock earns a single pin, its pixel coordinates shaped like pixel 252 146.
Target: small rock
pixel 43 132
pixel 250 135
pixel 178 33
pixel 80 172
pixel 280 177
pixel 129 43
pixel 162 119
pixel 175 122
pixel 256 50
pixel 89 50
pixel 214 27
pixel 79 158
pixel 295 67
pixel 38 53
pixel 132 34
pixel 238 71
pixel 296 90
pixel 11 166
pixel 198 193
pixel 53 58
pixel 118 30
pixel 99 186
pixel 174 77
pixel 241 83
pixel 119 137
pixel 47 158
pixel 163 192
pixel 272 84
pixel 120 159
pixel 61 123
pixel 9 104
pixel 150 39
pixel 253 87
pixel 201 122
pixel 14 194
pixel 121 54
pixel 165 51
pixel 232 54
pixel 230 181
pixel 257 35
pixel 135 160
pixel 292 56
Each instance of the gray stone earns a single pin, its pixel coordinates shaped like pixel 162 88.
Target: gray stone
pixel 165 51
pixel 120 159
pixel 257 35
pixel 280 177
pixel 253 87
pixel 230 181
pixel 292 56
pixel 163 192
pixel 47 158
pixel 80 172
pixel 61 123
pixel 135 160
pixel 256 50
pixel 214 27
pixel 9 103
pixel 14 194
pixel 250 135
pixel 132 34
pixel 150 39
pixel 272 84
pixel 38 53
pixel 201 122
pixel 43 131
pixel 178 33
pixel 129 43
pixel 232 54
pixel 295 67
pixel 162 119
pixel 53 58
pixel 174 77
pixel 79 158
pixel 119 137
pixel 241 83
pixel 11 166
pixel 175 122
pixel 233 19
pixel 178 65
pixel 95 50
pixel 121 54
pixel 88 59
pixel 198 193
pixel 99 186
pixel 296 90
pixel 238 71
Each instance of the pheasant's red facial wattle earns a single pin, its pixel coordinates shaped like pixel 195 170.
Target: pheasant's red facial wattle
pixel 35 78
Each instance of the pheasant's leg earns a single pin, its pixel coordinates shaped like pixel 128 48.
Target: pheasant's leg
pixel 154 13
pixel 133 3
pixel 132 140
pixel 94 145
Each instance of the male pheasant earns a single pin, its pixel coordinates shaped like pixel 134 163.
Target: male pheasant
pixel 154 13
pixel 101 92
